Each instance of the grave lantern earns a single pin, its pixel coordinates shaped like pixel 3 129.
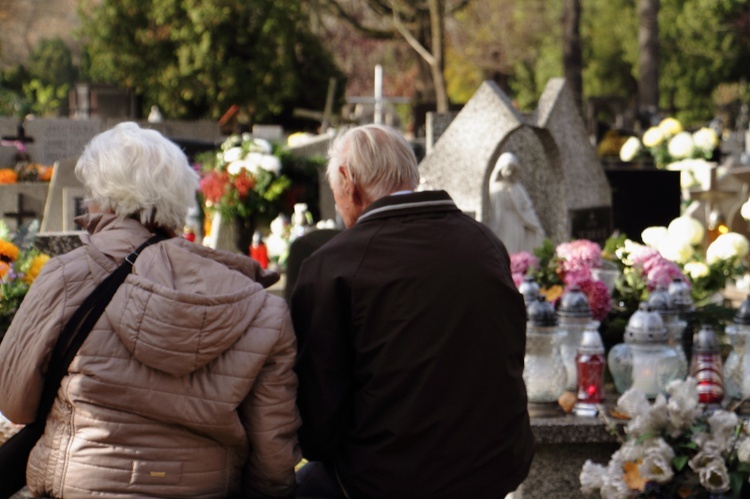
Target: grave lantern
pixel 645 360
pixel 544 371
pixel 574 316
pixel 737 367
pixel 661 301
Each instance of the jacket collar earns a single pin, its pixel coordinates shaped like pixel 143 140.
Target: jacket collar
pixel 408 204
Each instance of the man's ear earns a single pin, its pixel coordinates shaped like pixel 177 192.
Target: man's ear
pixel 350 189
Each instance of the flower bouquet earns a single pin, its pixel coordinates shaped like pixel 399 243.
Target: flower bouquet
pixel 567 264
pixel 20 263
pixel 243 178
pixel 674 448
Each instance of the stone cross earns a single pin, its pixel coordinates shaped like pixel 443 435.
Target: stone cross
pixel 20 214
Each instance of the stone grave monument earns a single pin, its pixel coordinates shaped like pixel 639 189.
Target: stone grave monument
pixel 64 199
pixel 559 167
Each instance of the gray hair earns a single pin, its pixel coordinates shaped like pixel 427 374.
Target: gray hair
pixel 379 159
pixel 135 172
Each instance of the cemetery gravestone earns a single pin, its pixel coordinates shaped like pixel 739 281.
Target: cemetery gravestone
pixel 64 200
pixel 57 139
pixel 559 168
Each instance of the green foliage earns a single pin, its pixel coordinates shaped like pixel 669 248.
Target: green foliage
pixel 196 59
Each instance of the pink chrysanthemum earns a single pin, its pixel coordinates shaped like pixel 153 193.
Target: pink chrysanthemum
pixel 522 262
pixel 578 254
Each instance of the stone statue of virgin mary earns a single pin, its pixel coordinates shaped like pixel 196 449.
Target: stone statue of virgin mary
pixel 512 216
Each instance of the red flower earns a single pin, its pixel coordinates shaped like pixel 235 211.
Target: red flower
pixel 243 183
pixel 213 186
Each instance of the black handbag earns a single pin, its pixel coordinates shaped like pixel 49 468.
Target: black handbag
pixel 14 453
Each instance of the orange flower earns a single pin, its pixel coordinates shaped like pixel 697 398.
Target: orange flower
pixel 4 267
pixel 8 251
pixel 8 176
pixel 552 293
pixel 45 173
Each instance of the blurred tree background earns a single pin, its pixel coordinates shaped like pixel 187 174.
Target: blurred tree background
pixel 195 58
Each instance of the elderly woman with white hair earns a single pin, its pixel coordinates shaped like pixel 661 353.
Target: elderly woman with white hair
pixel 184 387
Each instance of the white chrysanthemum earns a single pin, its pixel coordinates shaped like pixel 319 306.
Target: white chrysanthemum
pixel 714 476
pixel 235 167
pixel 271 163
pixel 696 270
pixel 706 139
pixel 630 250
pixel 262 146
pixel 686 227
pixel 656 467
pixel 630 149
pixel 670 127
pixel 591 477
pixel 231 142
pixel 653 137
pixel 233 154
pixel 743 450
pixel 745 210
pixel 676 249
pixel 681 146
pixel 728 246
pixel 652 236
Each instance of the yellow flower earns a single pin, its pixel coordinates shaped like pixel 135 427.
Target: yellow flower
pixel 8 251
pixel 670 127
pixel 36 266
pixel 552 293
pixel 653 137
pixel 697 270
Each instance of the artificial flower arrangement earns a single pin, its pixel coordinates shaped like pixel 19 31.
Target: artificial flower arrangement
pixel 569 263
pixel 674 447
pixel 20 264
pixel 243 178
pixel 24 170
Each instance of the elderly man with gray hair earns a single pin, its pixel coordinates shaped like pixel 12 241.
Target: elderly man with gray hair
pixel 411 340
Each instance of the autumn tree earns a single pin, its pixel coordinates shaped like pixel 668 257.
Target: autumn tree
pixel 196 59
pixel 420 23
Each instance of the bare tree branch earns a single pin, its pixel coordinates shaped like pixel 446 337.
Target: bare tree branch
pixel 413 42
pixel 377 34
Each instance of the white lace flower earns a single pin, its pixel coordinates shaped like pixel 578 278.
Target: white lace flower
pixel 659 446
pixel 614 486
pixel 728 246
pixel 702 459
pixel 649 422
pixel 630 149
pixel 682 405
pixel 632 402
pixel 591 477
pixel 681 145
pixel 723 424
pixel 655 466
pixel 714 476
pixel 743 450
pixel 686 227
pixel 652 236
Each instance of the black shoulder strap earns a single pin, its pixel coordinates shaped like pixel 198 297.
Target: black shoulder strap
pixel 79 326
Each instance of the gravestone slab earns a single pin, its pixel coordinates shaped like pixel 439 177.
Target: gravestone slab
pixel 57 139
pixel 64 198
pixel 435 125
pixel 22 203
pixel 196 129
pixel 318 146
pixel 558 164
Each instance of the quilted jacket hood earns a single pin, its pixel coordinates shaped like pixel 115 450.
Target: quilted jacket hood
pixel 176 332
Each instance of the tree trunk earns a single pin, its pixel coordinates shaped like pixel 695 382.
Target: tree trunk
pixel 572 54
pixel 437 20
pixel 648 56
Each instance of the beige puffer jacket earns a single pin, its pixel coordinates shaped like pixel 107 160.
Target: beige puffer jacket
pixel 184 387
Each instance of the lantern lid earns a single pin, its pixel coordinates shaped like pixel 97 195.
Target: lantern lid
pixel 574 303
pixel 591 342
pixel 529 289
pixel 661 301
pixel 679 290
pixel 743 312
pixel 541 312
pixel 705 341
pixel 645 326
